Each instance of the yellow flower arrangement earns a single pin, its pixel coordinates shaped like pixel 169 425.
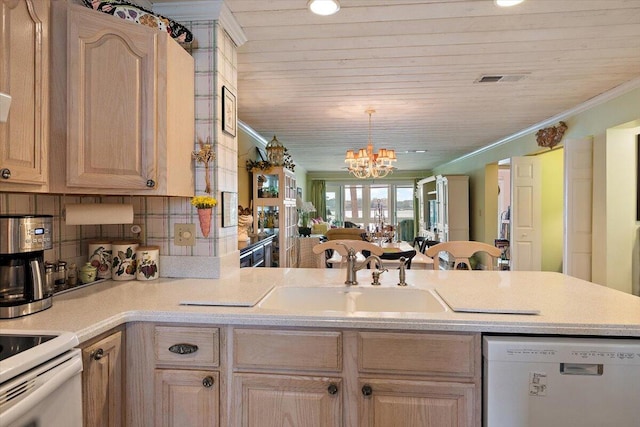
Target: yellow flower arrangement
pixel 203 202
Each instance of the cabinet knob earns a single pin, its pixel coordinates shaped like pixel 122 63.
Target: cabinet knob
pixel 151 183
pixel 367 390
pixel 207 381
pixel 332 389
pixel 5 173
pixel 183 348
pixel 97 354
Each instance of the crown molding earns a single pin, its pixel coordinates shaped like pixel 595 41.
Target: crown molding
pixel 204 10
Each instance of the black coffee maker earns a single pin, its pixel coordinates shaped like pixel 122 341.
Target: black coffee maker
pixel 23 240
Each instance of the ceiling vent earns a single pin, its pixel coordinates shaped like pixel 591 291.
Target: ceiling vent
pixel 494 78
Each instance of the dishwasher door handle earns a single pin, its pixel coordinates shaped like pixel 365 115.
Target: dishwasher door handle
pixel 581 368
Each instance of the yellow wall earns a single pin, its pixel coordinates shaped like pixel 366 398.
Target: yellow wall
pixel 552 209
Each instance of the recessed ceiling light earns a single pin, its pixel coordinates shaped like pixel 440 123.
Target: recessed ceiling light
pixel 508 3
pixel 323 7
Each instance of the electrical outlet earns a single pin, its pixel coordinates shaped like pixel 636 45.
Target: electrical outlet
pixel 184 234
pixel 137 231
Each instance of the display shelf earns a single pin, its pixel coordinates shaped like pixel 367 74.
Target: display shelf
pixel 274 212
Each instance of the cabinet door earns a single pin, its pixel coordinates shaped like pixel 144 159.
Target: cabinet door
pixel 187 398
pixel 415 404
pixel 24 74
pixel 112 102
pixel 102 382
pixel 286 400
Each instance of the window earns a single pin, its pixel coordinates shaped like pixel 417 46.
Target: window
pixel 366 204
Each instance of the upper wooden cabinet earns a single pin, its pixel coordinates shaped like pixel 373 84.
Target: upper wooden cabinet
pixel 24 74
pixel 122 107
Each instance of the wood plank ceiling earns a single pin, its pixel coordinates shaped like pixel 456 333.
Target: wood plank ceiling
pixel 308 79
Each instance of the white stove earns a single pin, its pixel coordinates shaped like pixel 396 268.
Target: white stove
pixel 40 383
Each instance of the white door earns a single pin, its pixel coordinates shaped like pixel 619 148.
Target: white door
pixel 526 214
pixel 578 202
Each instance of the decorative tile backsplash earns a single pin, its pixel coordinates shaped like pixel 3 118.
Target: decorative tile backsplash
pixel 215 63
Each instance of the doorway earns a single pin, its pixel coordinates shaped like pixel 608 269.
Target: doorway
pixel 545 222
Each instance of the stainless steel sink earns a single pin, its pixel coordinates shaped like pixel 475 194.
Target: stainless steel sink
pixel 352 299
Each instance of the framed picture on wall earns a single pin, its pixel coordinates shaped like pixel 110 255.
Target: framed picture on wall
pixel 229 119
pixel 229 209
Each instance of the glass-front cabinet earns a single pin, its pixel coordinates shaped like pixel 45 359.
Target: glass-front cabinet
pixel 274 212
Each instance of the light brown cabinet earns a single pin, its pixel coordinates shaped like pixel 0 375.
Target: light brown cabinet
pixel 24 59
pixel 122 107
pixel 330 378
pixel 262 376
pixel 103 381
pixel 174 375
pixel 186 398
pixel 287 377
pixel 418 379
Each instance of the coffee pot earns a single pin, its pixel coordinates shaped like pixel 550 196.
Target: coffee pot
pixel 23 240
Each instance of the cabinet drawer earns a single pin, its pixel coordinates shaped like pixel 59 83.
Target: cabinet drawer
pixel 187 346
pixel 419 354
pixel 289 350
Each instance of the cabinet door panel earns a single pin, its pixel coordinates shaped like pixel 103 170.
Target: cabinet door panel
pixel 24 74
pixel 112 118
pixel 102 382
pixel 282 400
pixel 416 403
pixel 183 399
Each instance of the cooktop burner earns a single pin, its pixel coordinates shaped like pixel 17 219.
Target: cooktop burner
pixel 10 345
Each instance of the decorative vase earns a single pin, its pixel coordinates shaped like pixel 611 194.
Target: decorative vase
pixel 204 215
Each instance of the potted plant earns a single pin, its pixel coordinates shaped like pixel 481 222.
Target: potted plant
pixel 204 204
pixel 304 212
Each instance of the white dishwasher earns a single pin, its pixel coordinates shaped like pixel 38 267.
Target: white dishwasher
pixel 550 381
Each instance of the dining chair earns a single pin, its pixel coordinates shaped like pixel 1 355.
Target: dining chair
pixel 408 256
pixel 461 251
pixel 341 246
pixel 423 243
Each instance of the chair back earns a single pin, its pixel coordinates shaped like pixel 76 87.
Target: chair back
pixel 423 243
pixel 339 246
pixel 462 251
pixel 408 255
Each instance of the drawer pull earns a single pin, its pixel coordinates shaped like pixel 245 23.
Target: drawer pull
pixel 207 381
pixel 97 354
pixel 151 183
pixel 332 389
pixel 183 348
pixel 367 390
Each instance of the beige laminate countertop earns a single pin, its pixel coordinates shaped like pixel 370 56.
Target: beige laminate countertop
pixel 568 306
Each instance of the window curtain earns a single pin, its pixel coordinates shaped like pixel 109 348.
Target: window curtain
pixel 319 197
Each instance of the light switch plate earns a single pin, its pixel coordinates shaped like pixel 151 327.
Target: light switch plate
pixel 184 234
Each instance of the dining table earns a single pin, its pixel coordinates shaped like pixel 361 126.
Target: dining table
pixel 420 261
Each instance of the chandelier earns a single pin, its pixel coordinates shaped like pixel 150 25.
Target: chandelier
pixel 367 164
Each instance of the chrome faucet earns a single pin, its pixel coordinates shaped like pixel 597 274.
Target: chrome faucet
pixel 353 268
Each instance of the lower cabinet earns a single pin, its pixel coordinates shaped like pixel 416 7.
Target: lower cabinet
pixel 103 381
pixel 387 402
pixel 174 375
pixel 287 400
pixel 306 377
pixel 186 398
pixel 272 377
